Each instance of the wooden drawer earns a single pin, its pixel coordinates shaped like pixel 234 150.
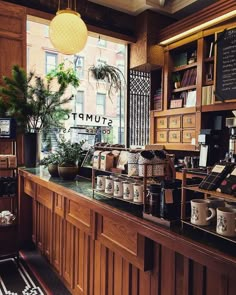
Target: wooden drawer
pixel 44 196
pixel 174 136
pixel 162 123
pixel 188 135
pixel 79 215
pixel 161 136
pixel 175 122
pixel 189 121
pixel 29 187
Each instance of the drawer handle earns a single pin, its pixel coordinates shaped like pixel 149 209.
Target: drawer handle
pixel 174 135
pixel 188 135
pixel 189 120
pixel 161 135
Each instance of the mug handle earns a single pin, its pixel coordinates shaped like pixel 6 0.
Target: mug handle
pixel 213 213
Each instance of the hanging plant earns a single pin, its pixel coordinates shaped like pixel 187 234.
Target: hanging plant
pixel 109 74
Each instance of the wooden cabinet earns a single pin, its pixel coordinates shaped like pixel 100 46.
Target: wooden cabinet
pixel 193 62
pixel 98 249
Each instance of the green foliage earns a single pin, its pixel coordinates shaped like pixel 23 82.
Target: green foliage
pixel 70 154
pixel 64 76
pixel 110 74
pixel 52 158
pixel 32 102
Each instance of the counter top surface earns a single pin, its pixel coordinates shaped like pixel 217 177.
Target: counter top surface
pixel 83 187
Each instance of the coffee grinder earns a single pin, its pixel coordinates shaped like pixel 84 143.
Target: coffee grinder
pixel 208 140
pixel 231 124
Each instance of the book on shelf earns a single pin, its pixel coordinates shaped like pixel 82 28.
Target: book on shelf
pixel 209 72
pixel 157 100
pixel 207 95
pixel 189 77
pixel 191 99
pixel 211 49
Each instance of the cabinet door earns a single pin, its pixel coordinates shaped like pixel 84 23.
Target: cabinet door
pixel 44 229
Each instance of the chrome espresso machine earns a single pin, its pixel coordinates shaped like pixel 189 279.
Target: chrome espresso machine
pixel 231 124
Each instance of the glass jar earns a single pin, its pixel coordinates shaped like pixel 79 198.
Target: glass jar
pixel 153 200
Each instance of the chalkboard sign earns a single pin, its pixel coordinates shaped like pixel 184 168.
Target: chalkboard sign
pixel 226 65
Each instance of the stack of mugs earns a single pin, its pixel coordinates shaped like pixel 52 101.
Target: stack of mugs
pixel 204 211
pixel 120 188
pixel 6 217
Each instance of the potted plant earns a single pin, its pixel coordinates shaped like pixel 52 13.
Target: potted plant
pixel 109 74
pixel 70 156
pixel 176 77
pixel 51 162
pixel 35 105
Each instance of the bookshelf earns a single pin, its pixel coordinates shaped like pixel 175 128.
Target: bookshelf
pixel 193 63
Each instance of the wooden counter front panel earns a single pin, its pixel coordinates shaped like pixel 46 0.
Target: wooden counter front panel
pixel 30 188
pixel 78 215
pixel 120 236
pixel 44 196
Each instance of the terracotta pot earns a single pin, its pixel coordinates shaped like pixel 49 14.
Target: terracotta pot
pixel 53 170
pixel 68 173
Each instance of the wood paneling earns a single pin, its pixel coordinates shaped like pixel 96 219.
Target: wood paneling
pixel 30 188
pixel 44 196
pixel 109 260
pixel 78 215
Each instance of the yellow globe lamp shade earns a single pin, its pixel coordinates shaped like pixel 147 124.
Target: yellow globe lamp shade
pixel 67 32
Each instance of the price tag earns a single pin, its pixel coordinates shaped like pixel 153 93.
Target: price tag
pixel 169 196
pixel 218 168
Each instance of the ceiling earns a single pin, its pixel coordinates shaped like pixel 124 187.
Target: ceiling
pixel 175 8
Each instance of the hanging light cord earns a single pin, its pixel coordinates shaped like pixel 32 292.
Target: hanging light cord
pixel 59 5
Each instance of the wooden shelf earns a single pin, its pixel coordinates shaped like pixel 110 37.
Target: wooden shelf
pixel 219 107
pixel 185 67
pixel 209 229
pixel 186 88
pixel 215 193
pixel 5 169
pixel 113 197
pixel 208 83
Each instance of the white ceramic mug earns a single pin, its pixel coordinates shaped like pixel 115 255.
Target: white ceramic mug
pixel 127 190
pixel 118 188
pixel 199 212
pixel 138 192
pixel 100 183
pixel 109 186
pixel 226 221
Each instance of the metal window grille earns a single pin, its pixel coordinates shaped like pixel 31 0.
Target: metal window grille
pixel 139 108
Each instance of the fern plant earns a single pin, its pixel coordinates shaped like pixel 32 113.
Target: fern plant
pixel 32 102
pixel 109 74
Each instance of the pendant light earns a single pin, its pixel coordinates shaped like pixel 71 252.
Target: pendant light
pixel 67 31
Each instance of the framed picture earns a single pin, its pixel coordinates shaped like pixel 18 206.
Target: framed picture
pixel 176 103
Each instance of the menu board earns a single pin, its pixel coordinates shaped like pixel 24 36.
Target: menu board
pixel 226 65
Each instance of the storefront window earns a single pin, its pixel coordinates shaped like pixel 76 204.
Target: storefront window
pixel 91 105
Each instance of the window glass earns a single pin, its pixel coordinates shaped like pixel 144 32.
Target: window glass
pixel 100 104
pixel 51 61
pixel 80 102
pixel 92 97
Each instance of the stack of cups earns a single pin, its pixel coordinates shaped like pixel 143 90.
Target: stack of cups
pixel 138 193
pixel 128 190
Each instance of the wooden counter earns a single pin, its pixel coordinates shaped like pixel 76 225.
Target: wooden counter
pixel 97 248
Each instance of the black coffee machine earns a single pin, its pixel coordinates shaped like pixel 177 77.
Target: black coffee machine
pixel 208 140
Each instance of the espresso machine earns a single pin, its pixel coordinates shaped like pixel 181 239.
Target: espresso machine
pixel 231 124
pixel 208 140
